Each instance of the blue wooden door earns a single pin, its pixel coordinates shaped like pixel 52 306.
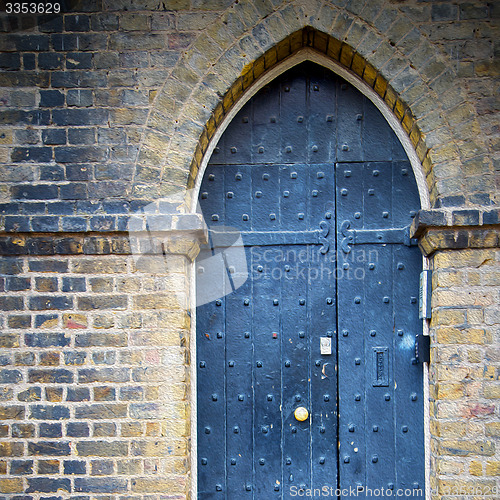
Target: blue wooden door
pixel 307 310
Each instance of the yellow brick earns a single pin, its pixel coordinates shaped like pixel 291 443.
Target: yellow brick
pixel 493 468
pixel 11 485
pixel 491 391
pixel 157 301
pixel 475 316
pixel 6 136
pixel 492 429
pixel 449 335
pixel 473 278
pixel 173 485
pixel 467 488
pixel 451 373
pixel 370 74
pixel 474 356
pixel 74 321
pixel 446 466
pixel 466 448
pixel 450 391
pixel 445 279
pixel 464 258
pixel 450 429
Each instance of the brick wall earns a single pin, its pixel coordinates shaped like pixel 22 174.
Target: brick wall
pixel 112 106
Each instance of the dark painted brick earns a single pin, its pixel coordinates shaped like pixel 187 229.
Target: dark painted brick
pixel 19 321
pixel 54 448
pixel 54 136
pixel 79 60
pixel 11 412
pixel 102 302
pixel 48 466
pixel 30 192
pixel 51 60
pixel 78 394
pixel 451 201
pixel 72 154
pixel 81 136
pixel 87 207
pixel 65 117
pixel 51 98
pixel 61 208
pixel 55 376
pixel 50 23
pixel 100 485
pixel 444 12
pixel 33 208
pixel 12 246
pixel 116 207
pixel 72 42
pixel 50 430
pixel 491 217
pixel 49 266
pixel 30 43
pixel 74 224
pixel 102 448
pixel 9 208
pixel 21 467
pixel 9 266
pixel 74 285
pixel 46 412
pixel 23 430
pixel 77 429
pixel 102 223
pixel 10 376
pixel 12 449
pixel 10 61
pixel 17 224
pixel 40 246
pixel 101 411
pixel 76 23
pixel 16 284
pixel 44 302
pixel 29 62
pixel 75 358
pixel 38 155
pixel 34 117
pixel 465 217
pixel 43 319
pixel 78 172
pixel 31 394
pixel 45 224
pixel 48 485
pixel 74 467
pixel 25 358
pixel 79 79
pixel 68 246
pixel 102 468
pixel 74 191
pixel 51 173
pixel 11 303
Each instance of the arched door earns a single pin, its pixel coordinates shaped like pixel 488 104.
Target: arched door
pixel 307 299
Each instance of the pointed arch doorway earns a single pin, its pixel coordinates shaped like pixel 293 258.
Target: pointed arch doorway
pixel 307 307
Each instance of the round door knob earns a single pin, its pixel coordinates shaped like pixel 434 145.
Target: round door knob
pixel 301 413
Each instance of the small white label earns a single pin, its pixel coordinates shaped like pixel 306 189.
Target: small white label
pixel 325 345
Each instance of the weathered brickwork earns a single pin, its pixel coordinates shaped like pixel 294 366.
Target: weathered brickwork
pixel 465 372
pixel 112 106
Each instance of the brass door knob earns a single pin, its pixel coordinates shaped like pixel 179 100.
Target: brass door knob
pixel 301 413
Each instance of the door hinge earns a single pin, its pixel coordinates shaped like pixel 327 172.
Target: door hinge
pixel 425 291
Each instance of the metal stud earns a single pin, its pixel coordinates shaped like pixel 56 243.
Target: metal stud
pixel 345 265
pixel 387 397
pixel 288 149
pixel 259 364
pixel 258 194
pixel 373 333
pixel 230 194
pixel 288 461
pixel 204 461
pixel 357 300
pixel 413 396
pixel 286 194
pixel 413 213
pixel 298 398
pixel 390 486
pixel 287 364
pixel 329 118
pixel 211 177
pixel 302 335
pixel 344 86
pixel 347 173
pixel 413 300
pixel 326 398
pixel 404 171
pixel 234 150
pixel 260 269
pixel 245 217
pixel 357 397
pixel 238 177
pixel 262 461
pixel 371 266
pixel 344 192
pixel 357 215
pixel 215 217
pixel 248 487
pixel 416 486
pixel 214 397
pixel 314 149
pixel 287 268
pixel 204 195
pixel 322 429
pixel 233 461
pixel 272 119
pixel 265 429
pixel 245 119
pixel 359 117
pixel 276 302
pixel 371 192
pixel 320 175
pixel 401 266
pixel 265 177
pixel 329 300
pixel 207 430
pixel 218 487
pixel 201 270
pixel 246 302
pixel 404 428
pixel 293 175
pixel 317 362
pixel 316 88
pixel 345 147
pixel 260 150
pixel 347 460
pixel 217 150
pixel 275 335
pixel 231 364
pixel 345 333
pixel 375 428
pixel 352 427
pixel 386 300
pixel 300 216
pixel 236 429
pixel 276 487
pixel 374 459
pixel 375 173
pixel 294 430
pixel 315 193
pixel 269 397
pixel 357 361
pixel 241 397
pixel 202 364
pixel 300 119
pixel 385 215
pixel 321 460
pixel 329 333
pixel 287 89
pixel 400 333
pixel 247 335
pixel 328 215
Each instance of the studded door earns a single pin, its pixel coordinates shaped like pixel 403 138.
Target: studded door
pixel 307 313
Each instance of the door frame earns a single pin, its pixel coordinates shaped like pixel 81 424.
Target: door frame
pixel 302 55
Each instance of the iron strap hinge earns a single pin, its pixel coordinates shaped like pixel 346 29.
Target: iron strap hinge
pixel 399 236
pixel 227 238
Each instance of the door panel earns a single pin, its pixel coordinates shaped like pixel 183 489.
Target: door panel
pixel 327 262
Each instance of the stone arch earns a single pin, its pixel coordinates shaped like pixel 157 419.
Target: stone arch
pixel 226 59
